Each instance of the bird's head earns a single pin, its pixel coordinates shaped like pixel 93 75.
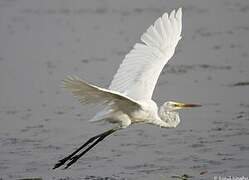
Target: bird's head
pixel 168 112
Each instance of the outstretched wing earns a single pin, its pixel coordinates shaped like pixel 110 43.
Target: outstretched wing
pixel 141 67
pixel 90 94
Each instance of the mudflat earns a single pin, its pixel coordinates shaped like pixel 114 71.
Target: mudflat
pixel 41 42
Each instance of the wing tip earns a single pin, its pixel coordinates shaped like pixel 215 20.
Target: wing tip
pixel 179 13
pixel 69 81
pixel 174 13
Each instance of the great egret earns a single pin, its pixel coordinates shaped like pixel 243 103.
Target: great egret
pixel 129 97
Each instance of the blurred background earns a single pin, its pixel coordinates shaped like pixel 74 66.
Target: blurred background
pixel 43 41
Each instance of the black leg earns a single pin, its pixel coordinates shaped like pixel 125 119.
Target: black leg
pixel 73 157
pixel 62 161
pixel 76 157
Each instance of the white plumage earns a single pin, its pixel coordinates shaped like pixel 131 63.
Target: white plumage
pixel 141 67
pixel 88 93
pixel 131 89
pixel 139 71
pixel 129 97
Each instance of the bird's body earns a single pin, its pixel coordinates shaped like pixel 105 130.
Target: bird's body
pixel 146 114
pixel 128 100
pixel 121 109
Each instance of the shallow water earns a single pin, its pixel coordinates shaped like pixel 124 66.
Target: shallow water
pixel 43 41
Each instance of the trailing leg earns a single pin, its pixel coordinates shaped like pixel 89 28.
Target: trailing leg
pixel 73 157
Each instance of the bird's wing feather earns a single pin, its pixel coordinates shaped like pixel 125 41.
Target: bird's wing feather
pixel 91 94
pixel 141 67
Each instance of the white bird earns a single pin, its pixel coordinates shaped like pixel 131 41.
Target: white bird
pixel 128 100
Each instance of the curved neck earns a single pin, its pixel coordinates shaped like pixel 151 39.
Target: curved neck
pixel 169 117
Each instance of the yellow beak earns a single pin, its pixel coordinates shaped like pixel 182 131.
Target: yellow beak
pixel 183 105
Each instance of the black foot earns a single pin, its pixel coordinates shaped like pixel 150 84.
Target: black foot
pixel 61 162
